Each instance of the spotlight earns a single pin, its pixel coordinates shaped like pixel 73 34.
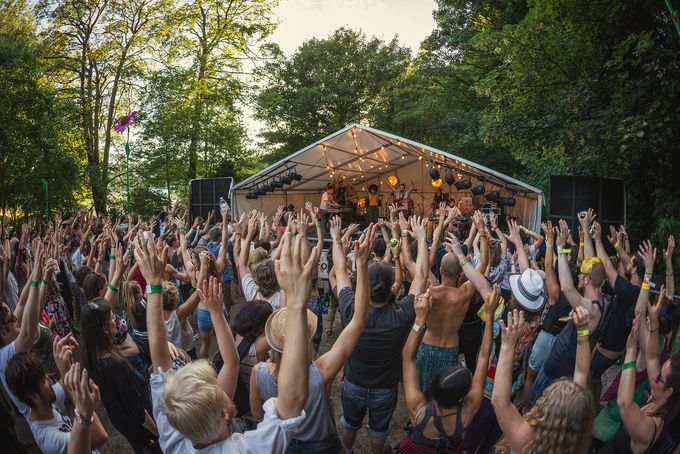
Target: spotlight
pixel 478 190
pixel 277 183
pixel 449 179
pixel 285 179
pixel 265 189
pixel 437 183
pixel 493 196
pixel 250 195
pixel 294 176
pixel 434 173
pixel 393 180
pixel 507 201
pixel 463 184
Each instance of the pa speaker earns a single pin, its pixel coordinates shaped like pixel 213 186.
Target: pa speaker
pixel 204 196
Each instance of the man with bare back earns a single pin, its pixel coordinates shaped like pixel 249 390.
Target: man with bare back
pixel 450 301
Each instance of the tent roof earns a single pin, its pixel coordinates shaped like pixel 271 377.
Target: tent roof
pixel 360 150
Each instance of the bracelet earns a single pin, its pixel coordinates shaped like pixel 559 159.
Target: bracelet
pixel 337 241
pixel 464 262
pixel 583 332
pixel 628 365
pixel 43 280
pixel 616 245
pixel 645 286
pixel 652 330
pixel 112 288
pixel 404 234
pixel 581 244
pixel 563 250
pixel 582 340
pixel 112 257
pixel 34 284
pixel 154 288
pixel 293 233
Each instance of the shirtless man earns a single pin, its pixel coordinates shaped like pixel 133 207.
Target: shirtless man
pixel 450 302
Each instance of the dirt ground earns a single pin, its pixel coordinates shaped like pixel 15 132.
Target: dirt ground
pixel 118 445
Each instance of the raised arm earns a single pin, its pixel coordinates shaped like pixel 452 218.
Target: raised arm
pixel 29 331
pixel 422 270
pixel 609 269
pixel 221 261
pixel 295 279
pixel 473 274
pixel 517 431
pixel 551 282
pixel 474 397
pixel 585 219
pixel 639 426
pixel 581 320
pixel 112 290
pixel 566 282
pixel 516 239
pixel 211 297
pixel 538 238
pixel 483 264
pixel 412 395
pixel 437 235
pixel 648 254
pixel 85 396
pixel 398 272
pixel 330 363
pixel 668 260
pixel 339 260
pixel 242 263
pixel 652 347
pixel 153 267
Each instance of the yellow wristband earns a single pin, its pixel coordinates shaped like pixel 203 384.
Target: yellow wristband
pixel 581 244
pixel 645 286
pixel 583 332
pixel 616 245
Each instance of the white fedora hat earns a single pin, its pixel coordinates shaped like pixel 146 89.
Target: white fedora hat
pixel 528 290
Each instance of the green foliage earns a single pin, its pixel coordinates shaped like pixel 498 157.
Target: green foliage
pixel 32 145
pixel 325 85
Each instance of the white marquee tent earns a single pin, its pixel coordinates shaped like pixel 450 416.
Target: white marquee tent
pixel 364 156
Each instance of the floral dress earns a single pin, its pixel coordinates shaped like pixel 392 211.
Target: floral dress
pixel 57 311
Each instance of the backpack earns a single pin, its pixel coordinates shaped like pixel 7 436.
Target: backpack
pixel 241 395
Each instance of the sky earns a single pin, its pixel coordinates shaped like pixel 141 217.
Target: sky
pixel 300 20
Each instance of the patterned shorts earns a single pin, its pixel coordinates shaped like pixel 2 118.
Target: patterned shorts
pixel 431 359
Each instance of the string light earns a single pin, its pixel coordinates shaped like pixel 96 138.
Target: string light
pixel 402 156
pixel 420 158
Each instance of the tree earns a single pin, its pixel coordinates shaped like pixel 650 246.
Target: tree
pixel 32 146
pixel 325 85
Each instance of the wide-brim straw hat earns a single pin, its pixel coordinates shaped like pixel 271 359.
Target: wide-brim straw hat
pixel 275 328
pixel 527 288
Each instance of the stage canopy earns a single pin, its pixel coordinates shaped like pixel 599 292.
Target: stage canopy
pixel 364 156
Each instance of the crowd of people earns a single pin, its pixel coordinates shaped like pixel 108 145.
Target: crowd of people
pixel 501 339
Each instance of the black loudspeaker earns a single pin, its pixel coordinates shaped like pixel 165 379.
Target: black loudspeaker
pixel 204 195
pixel 570 195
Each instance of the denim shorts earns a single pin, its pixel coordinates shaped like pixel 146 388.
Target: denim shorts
pixel 204 320
pixel 541 384
pixel 541 350
pixel 380 403
pixel 329 445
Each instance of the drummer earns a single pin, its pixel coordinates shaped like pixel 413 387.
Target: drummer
pixel 327 202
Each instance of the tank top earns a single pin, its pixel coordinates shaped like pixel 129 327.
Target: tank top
pixel 416 442
pixel 620 443
pixel 178 336
pixel 319 422
pixel 247 363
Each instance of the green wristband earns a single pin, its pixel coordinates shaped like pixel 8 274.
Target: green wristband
pixel 43 280
pixel 154 288
pixel 181 229
pixel 112 257
pixel 112 288
pixel 34 284
pixel 628 365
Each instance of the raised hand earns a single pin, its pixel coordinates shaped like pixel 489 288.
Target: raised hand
pixel 562 234
pixel 418 227
pixel 514 328
pixel 632 342
pixel 336 228
pixel 653 312
pixel 364 246
pixel 454 244
pixel 62 351
pixel 492 303
pixel 648 254
pixel 211 295
pixel 83 391
pixel 668 254
pixel 422 307
pixel 493 220
pixel 403 222
pixel 351 230
pixel 547 228
pixel 151 265
pixel 514 236
pixel 441 211
pixel 295 278
pixel 580 317
pixel 597 230
pixel 586 218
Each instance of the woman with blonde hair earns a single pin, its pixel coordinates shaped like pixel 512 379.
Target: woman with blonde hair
pixel 562 419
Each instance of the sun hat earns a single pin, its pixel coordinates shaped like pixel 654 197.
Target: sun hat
pixel 275 328
pixel 527 288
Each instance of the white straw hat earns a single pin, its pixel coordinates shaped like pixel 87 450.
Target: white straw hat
pixel 528 290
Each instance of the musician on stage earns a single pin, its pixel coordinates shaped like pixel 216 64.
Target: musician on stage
pixel 401 198
pixel 326 203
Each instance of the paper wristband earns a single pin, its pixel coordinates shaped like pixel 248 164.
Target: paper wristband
pixel 154 288
pixel 34 284
pixel 583 332
pixel 112 288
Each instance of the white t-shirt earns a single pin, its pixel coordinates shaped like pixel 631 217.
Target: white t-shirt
pixel 53 435
pixel 6 353
pixel 252 292
pixel 77 259
pixel 326 198
pixel 12 291
pixel 273 434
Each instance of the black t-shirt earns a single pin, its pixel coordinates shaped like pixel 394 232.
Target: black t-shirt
pixel 562 359
pixel 125 394
pixel 553 313
pixel 618 320
pixel 376 360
